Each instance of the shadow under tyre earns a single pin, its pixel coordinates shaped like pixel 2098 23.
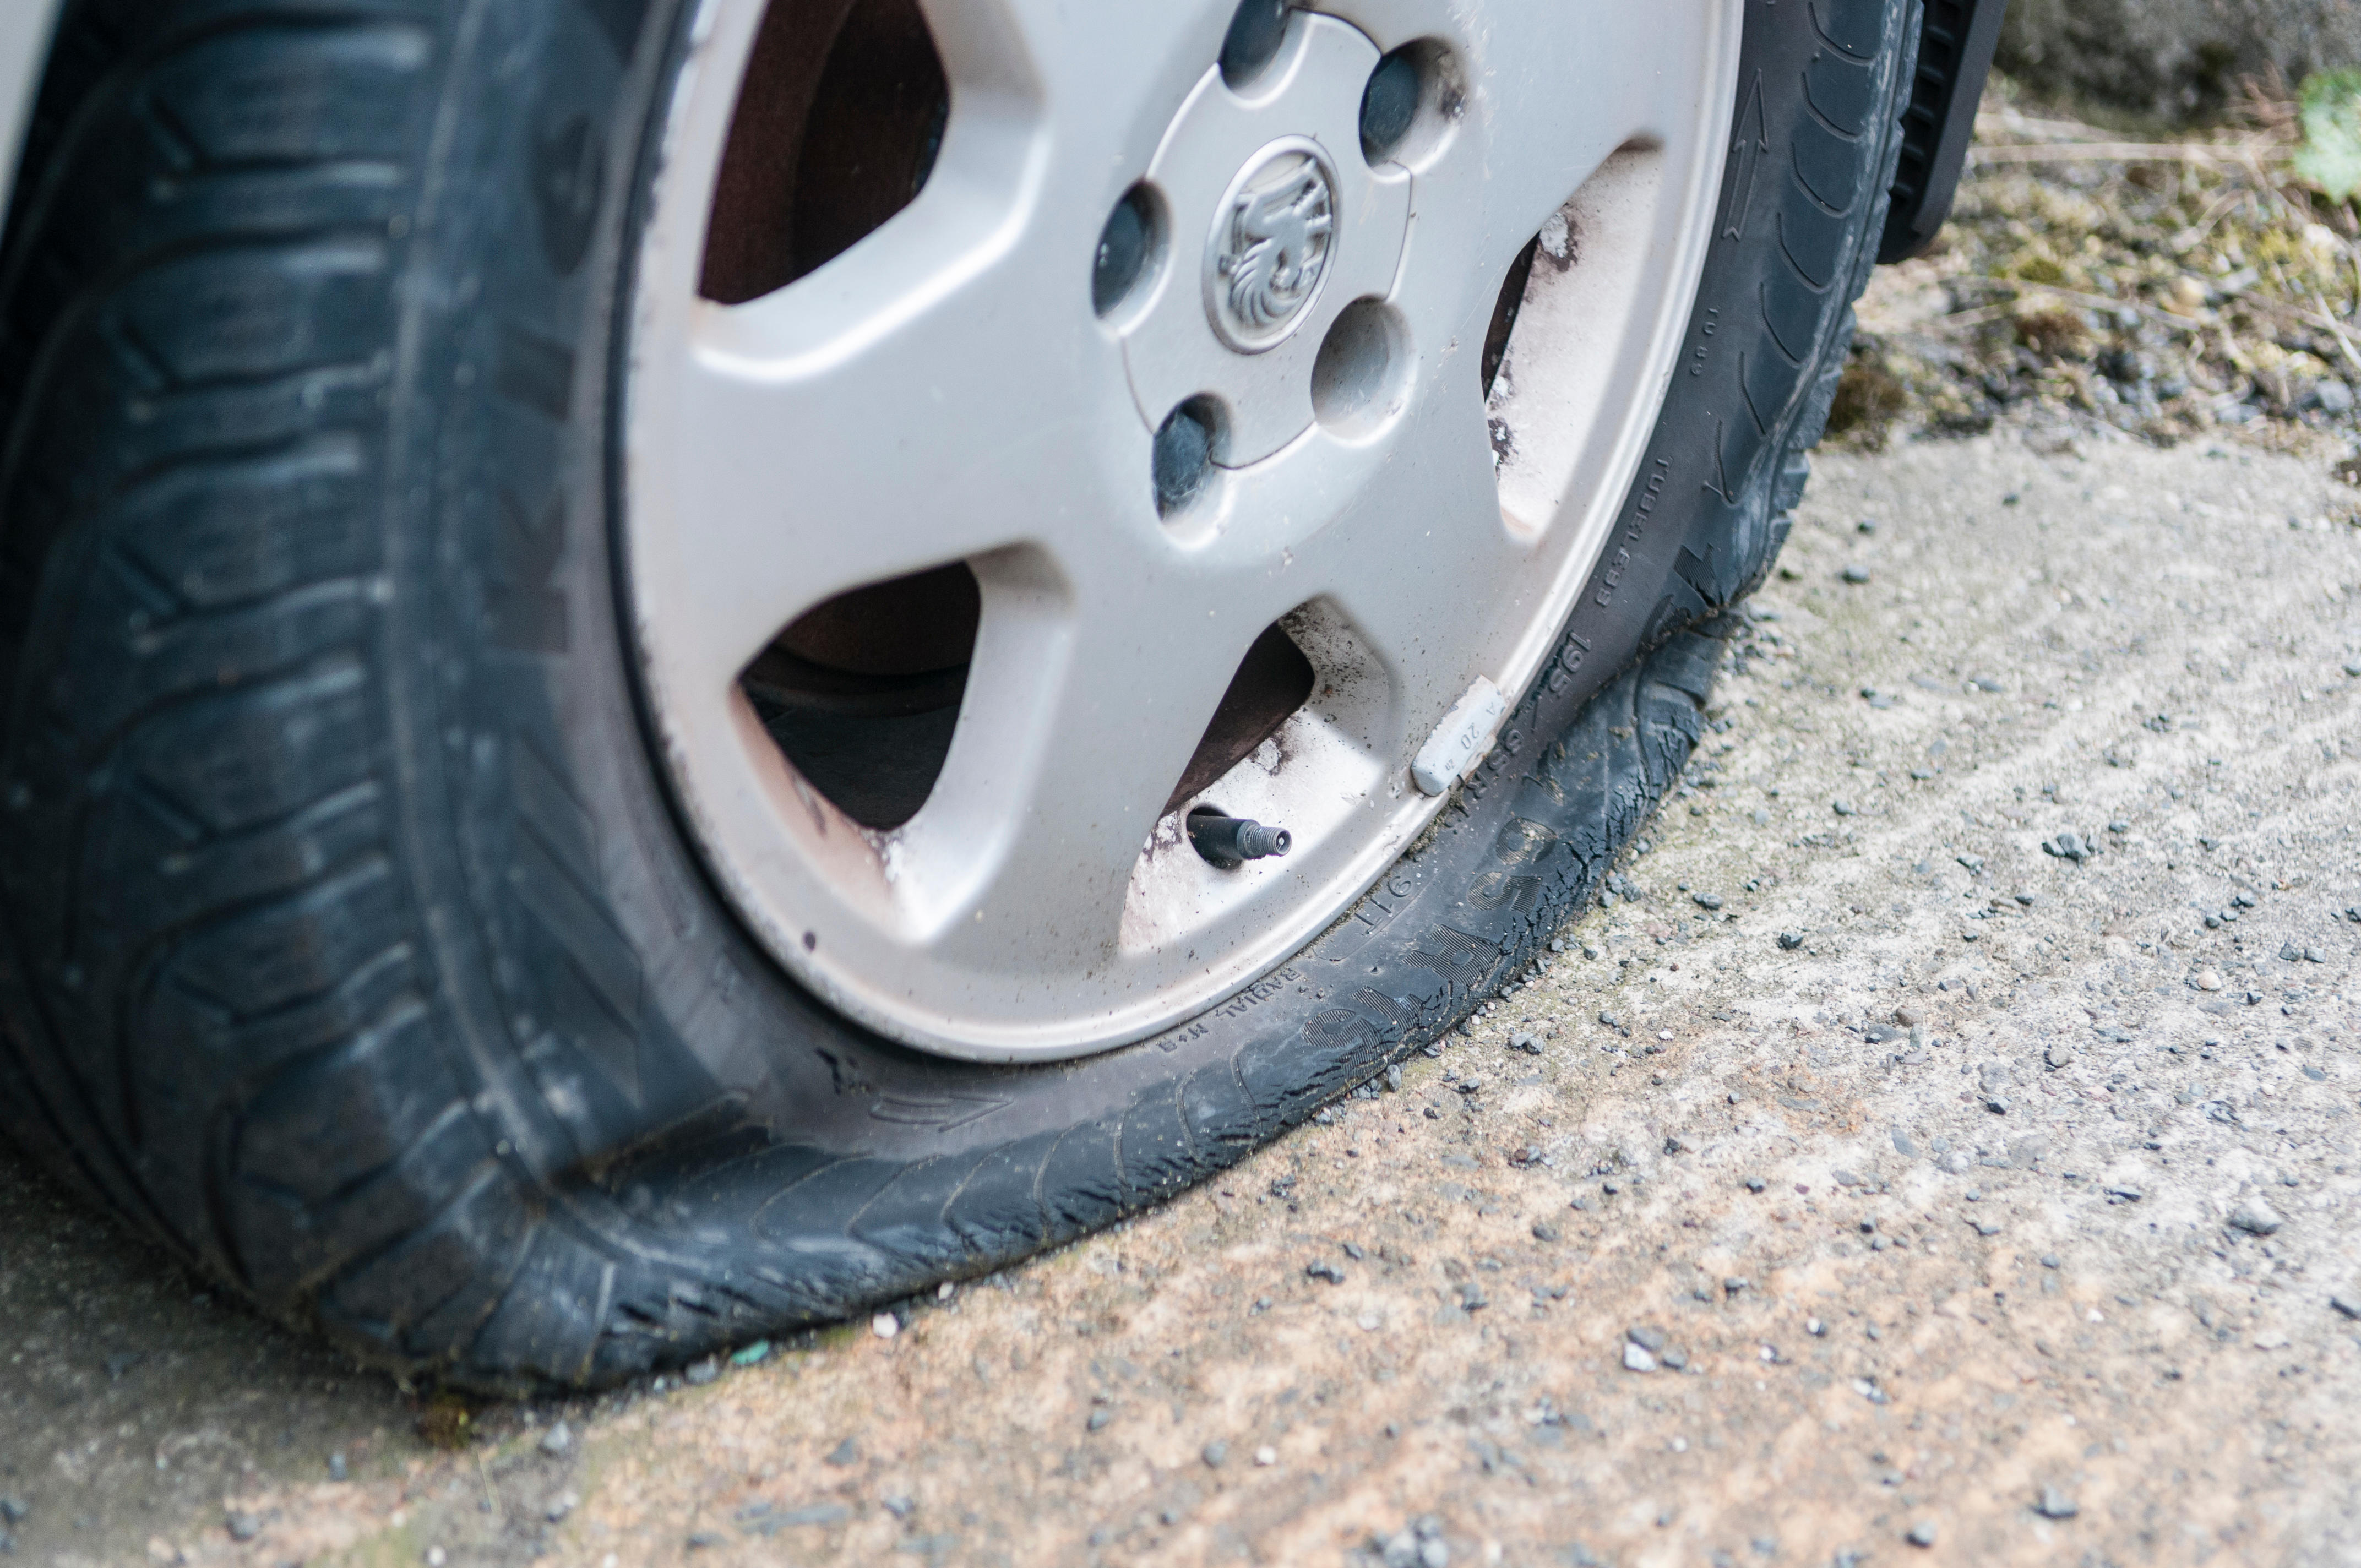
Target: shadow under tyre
pixel 636 634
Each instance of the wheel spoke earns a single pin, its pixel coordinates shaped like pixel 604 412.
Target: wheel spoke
pixel 953 349
pixel 1080 719
pixel 763 518
pixel 1536 141
pixel 1423 567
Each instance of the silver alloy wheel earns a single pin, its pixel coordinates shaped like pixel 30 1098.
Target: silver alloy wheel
pixel 944 391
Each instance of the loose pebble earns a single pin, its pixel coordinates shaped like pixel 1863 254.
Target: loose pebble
pixel 2056 1504
pixel 2256 1218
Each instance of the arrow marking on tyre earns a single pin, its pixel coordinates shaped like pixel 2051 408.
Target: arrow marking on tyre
pixel 1746 155
pixel 944 1111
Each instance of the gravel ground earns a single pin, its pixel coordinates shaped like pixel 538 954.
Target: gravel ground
pixel 1943 1149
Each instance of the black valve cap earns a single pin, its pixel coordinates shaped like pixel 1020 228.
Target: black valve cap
pixel 1232 841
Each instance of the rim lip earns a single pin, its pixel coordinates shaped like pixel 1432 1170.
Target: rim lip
pixel 1217 310
pixel 1589 512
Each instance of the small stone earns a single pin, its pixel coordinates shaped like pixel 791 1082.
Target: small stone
pixel 754 1354
pixel 2256 1218
pixel 2347 1302
pixel 1214 1454
pixel 559 1506
pixel 1814 1326
pixel 1099 1418
pixel 1855 572
pixel 1647 1336
pixel 1790 940
pixel 436 1559
pixel 1320 1269
pixel 884 1325
pixel 557 1439
pixel 844 1454
pixel 1841 807
pixel 2290 953
pixel 242 1527
pixel 1636 1359
pixel 2207 979
pixel 1675 1359
pixel 2056 1504
pixel 1756 1184
pixel 336 1470
pixel 1736 1283
pixel 2049 1260
pixel 14 1511
pixel 1544 1231
pixel 1266 1456
pixel 700 1373
pixel 1707 900
pixel 1921 1534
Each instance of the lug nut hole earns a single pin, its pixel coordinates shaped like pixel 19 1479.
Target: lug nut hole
pixel 1131 246
pixel 1388 104
pixel 1410 102
pixel 1357 374
pixel 1257 29
pixel 1182 456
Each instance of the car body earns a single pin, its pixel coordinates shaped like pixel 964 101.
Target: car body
pixel 24 29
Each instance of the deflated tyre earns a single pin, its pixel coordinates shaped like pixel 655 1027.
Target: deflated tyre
pixel 675 669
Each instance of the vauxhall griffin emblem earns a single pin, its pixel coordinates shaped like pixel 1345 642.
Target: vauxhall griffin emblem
pixel 1270 245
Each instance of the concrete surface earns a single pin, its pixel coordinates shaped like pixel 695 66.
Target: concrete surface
pixel 2174 59
pixel 2053 1346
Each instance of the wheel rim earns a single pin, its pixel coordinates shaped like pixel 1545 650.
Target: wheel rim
pixel 1163 453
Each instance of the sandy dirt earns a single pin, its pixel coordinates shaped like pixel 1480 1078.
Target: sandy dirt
pixel 1916 1154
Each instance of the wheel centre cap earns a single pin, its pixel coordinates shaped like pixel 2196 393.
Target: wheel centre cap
pixel 1297 224
pixel 1269 252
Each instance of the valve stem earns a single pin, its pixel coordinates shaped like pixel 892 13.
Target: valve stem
pixel 1229 841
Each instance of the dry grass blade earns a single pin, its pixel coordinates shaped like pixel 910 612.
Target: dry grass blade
pixel 2123 153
